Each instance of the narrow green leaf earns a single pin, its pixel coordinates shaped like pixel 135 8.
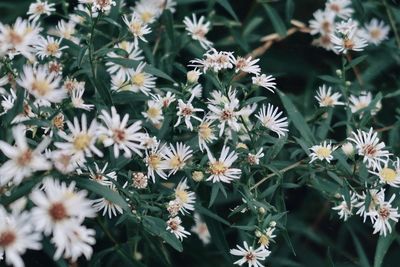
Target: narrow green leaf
pixel 225 4
pixel 355 62
pixel 207 212
pixel 382 247
pixel 276 20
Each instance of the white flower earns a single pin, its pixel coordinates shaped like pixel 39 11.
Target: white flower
pixel 58 205
pixel 137 28
pixel 249 255
pixel 67 30
pixel 155 162
pixel 363 101
pixel 340 8
pixel 166 100
pixel 19 39
pixel 268 82
pixel 323 22
pixel 325 42
pixel 81 141
pixel 220 170
pixel 65 162
pixel 175 227
pixel 247 65
pixel 389 174
pixel 39 8
pixel 383 215
pixel 254 159
pixel 184 197
pixel 375 31
pixel 148 11
pixel 348 39
pixel 368 146
pixel 101 176
pixel 23 161
pixel 16 236
pixel 75 241
pixel 77 98
pixel 348 149
pixel 271 119
pixel 214 60
pixel 116 132
pixel 141 80
pixel 344 210
pixel 49 47
pixel 322 152
pixel 175 159
pixel 187 111
pixel 206 133
pixel 132 53
pixel 193 76
pixel 198 30
pixel 268 235
pixel 154 112
pixel 326 98
pixel 42 84
pixel 376 197
pixel 200 228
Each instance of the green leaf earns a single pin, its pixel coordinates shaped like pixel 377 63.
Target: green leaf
pixel 382 247
pixel 255 99
pixel 329 79
pixel 276 20
pixel 225 4
pixel 103 191
pixel 297 119
pixel 207 212
pixel 355 62
pixel 289 10
pixel 360 251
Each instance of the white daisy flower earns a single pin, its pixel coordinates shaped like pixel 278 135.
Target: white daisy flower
pixel 368 146
pixel 344 210
pixel 16 236
pixel 383 215
pixel 185 198
pixel 99 5
pixel 165 100
pixel 247 65
pixel 101 176
pixel 325 42
pixel 154 161
pixel 341 8
pixel 137 28
pixel 375 31
pixel 254 159
pixel 348 39
pixel 198 29
pixel 187 111
pixel 19 38
pixel 58 205
pixel 362 101
pixel 141 80
pixel 175 227
pixel 268 82
pixel 67 30
pixel 42 84
pixel 221 170
pixel 107 206
pixel 154 112
pixel 325 97
pixel 23 161
pixel 322 152
pixel 323 22
pixel 147 11
pixel 214 60
pixel 376 197
pixel 200 228
pixel 175 159
pixel 118 134
pixel 267 235
pixel 388 174
pixel 249 255
pixel 40 8
pixel 64 162
pixel 271 119
pixel 49 47
pixel 82 139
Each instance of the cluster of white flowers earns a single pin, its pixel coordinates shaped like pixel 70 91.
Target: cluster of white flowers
pixel 339 32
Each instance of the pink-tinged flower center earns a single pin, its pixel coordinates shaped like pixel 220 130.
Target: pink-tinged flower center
pixel 57 211
pixel 250 256
pixel 384 212
pixel 7 238
pixel 369 150
pixel 25 158
pixel 119 135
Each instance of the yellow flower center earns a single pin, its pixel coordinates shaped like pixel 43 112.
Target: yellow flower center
pixel 388 174
pixel 323 152
pixel 375 34
pixel 154 160
pixel 52 48
pixel 138 79
pixel 264 240
pixel 205 131
pixel 146 16
pixel 82 141
pixel 327 101
pixel 176 162
pixel 182 195
pixel 217 168
pixel 153 112
pixel 136 28
pixel 41 87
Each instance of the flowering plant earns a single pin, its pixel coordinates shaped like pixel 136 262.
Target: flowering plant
pixel 135 132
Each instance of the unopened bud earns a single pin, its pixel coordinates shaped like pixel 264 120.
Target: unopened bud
pixel 339 73
pixel 197 176
pixel 348 149
pixel 193 76
pixel 261 210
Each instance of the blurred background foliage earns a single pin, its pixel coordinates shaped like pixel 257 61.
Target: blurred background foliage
pixel 315 236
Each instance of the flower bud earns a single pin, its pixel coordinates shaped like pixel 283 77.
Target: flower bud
pixel 339 73
pixel 348 149
pixel 137 255
pixel 261 210
pixel 272 223
pixel 348 83
pixel 197 176
pixel 241 145
pixel 258 233
pixel 193 76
